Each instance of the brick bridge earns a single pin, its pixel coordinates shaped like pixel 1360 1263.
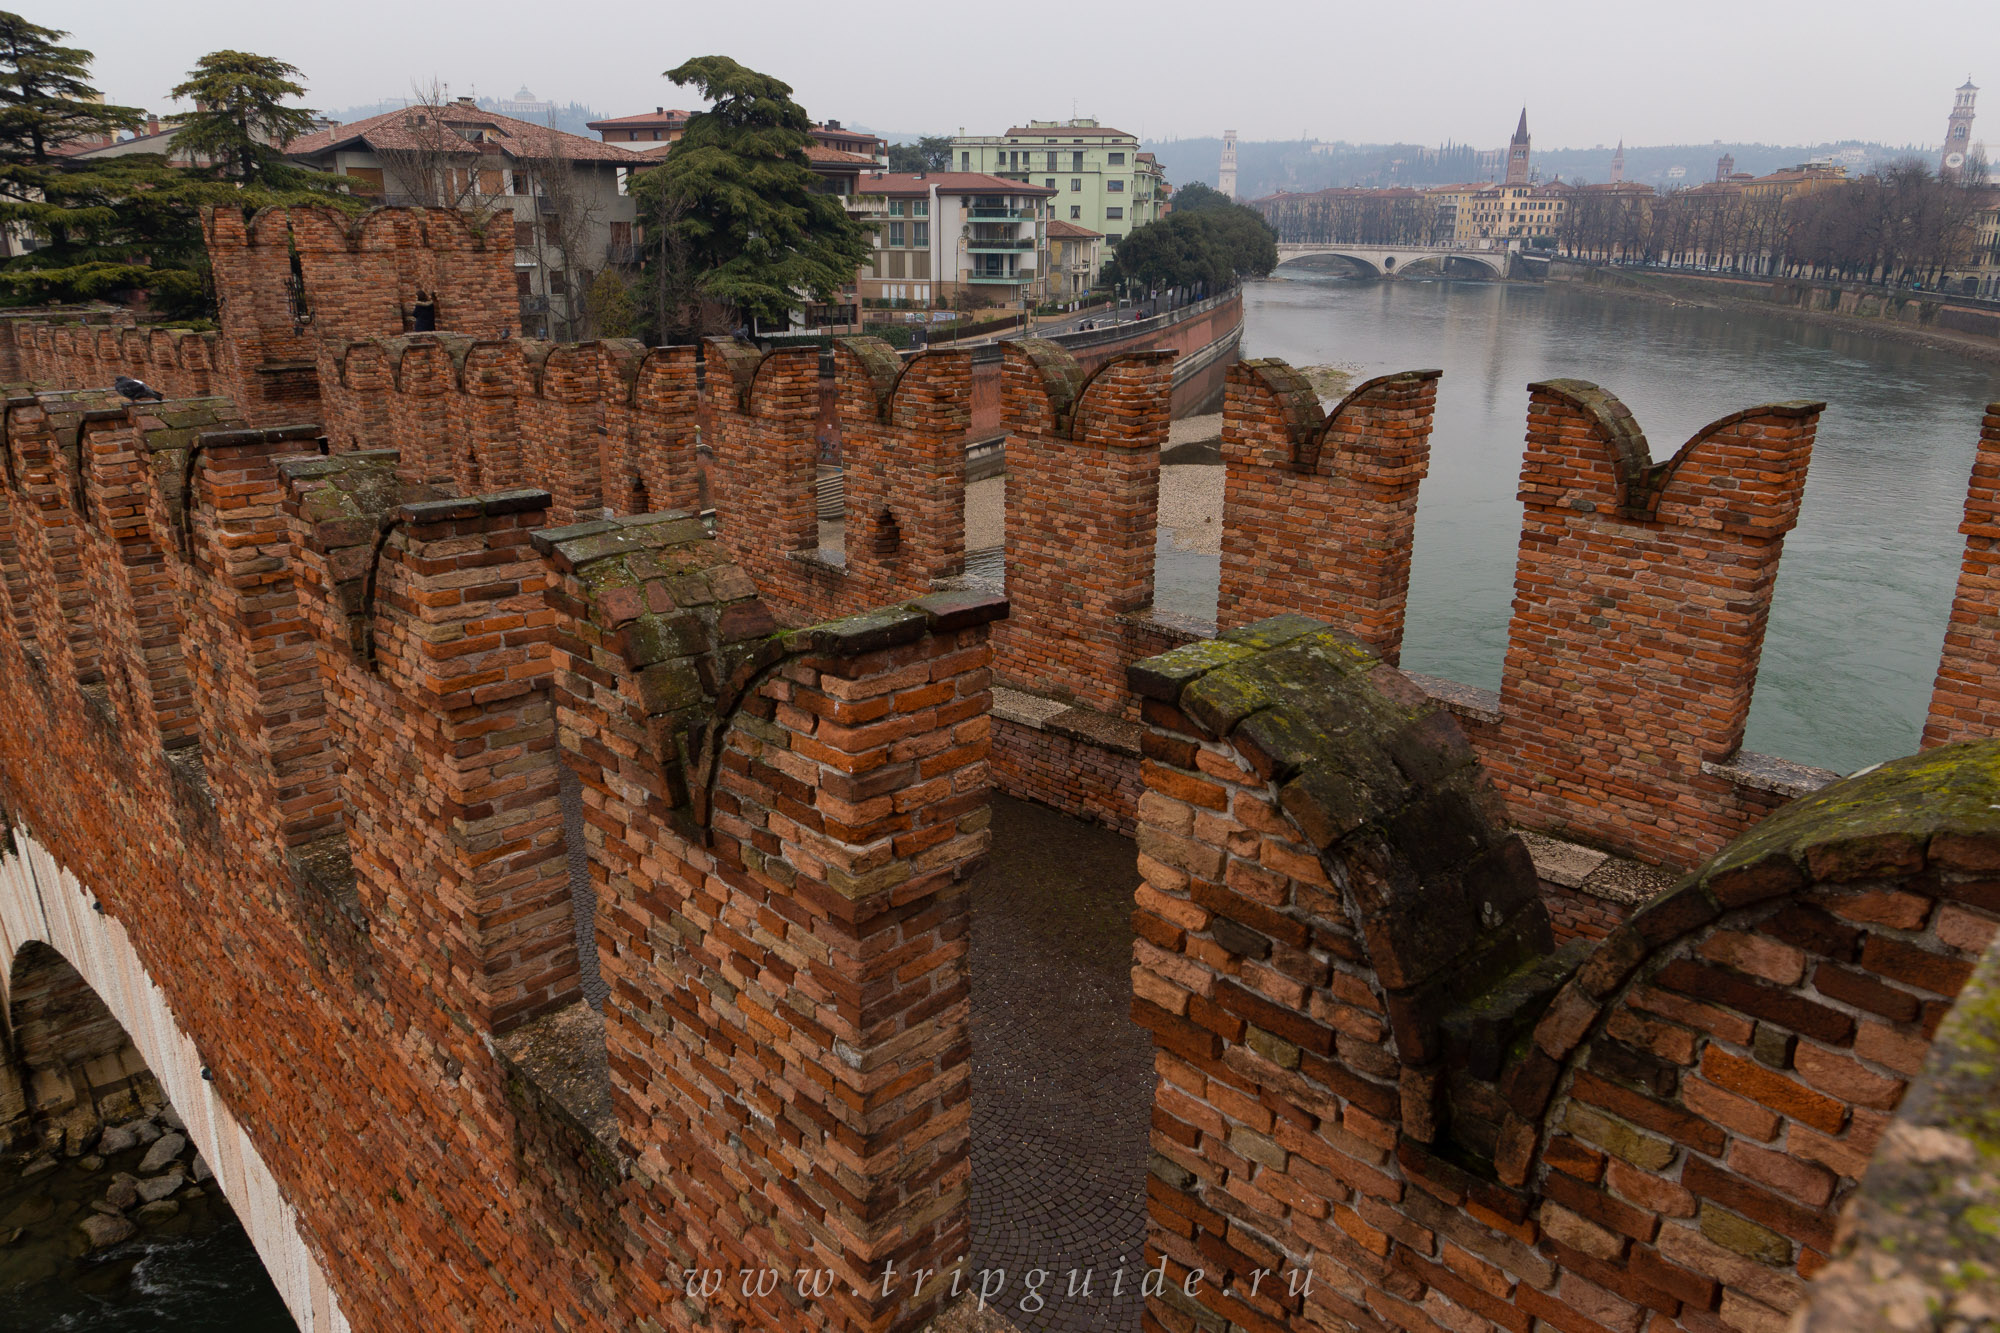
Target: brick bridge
pixel 1394 261
pixel 304 726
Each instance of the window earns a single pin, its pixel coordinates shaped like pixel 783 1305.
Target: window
pixel 920 235
pixel 1013 161
pixel 524 281
pixel 621 235
pixel 895 210
pixel 1114 212
pixel 524 235
pixel 1115 186
pixel 624 180
pixel 895 234
pixel 1050 183
pixel 1076 210
pixel 1076 185
pixel 559 282
pixel 1116 159
pixel 1052 158
pixel 1112 238
pixel 1076 161
pixel 920 208
pixel 965 161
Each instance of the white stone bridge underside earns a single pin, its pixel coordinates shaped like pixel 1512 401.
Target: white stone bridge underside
pixel 41 901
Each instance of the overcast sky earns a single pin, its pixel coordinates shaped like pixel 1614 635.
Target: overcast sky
pixel 1778 71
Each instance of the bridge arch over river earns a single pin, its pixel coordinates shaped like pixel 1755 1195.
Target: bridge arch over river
pixel 44 910
pixel 1394 261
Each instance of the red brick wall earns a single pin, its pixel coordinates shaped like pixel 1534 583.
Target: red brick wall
pixel 1319 509
pixel 1966 699
pixel 1342 979
pixel 779 827
pixel 1641 596
pixel 903 466
pixel 1075 774
pixel 266 356
pixel 760 412
pixel 1083 461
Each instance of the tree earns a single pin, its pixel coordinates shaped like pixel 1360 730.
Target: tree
pixel 758 232
pixel 932 152
pixel 611 310
pixel 45 94
pixel 241 123
pixel 105 225
pixel 1208 247
pixel 1196 197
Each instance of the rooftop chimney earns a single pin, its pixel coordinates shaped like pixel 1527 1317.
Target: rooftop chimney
pixel 659 111
pixel 467 101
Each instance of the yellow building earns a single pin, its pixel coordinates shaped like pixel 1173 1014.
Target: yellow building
pixel 1506 217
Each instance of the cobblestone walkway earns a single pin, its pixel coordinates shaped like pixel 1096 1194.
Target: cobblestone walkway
pixel 1062 1079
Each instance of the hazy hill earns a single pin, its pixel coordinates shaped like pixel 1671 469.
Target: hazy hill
pixel 1265 167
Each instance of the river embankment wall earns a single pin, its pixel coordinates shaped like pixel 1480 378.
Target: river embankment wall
pixel 1931 319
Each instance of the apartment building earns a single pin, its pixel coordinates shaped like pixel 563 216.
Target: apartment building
pixel 1076 256
pixel 1096 175
pixel 572 213
pixel 941 236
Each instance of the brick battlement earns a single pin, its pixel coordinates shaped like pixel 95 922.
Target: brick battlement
pixel 320 714
pixel 329 700
pixel 1375 1067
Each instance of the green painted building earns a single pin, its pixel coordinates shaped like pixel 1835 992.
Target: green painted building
pixel 1101 179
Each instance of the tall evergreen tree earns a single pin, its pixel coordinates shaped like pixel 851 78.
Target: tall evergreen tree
pixel 104 226
pixel 746 216
pixel 240 122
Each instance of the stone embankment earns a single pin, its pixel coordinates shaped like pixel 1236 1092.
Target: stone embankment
pixel 1920 319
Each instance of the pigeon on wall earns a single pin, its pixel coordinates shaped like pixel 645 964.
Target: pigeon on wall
pixel 137 391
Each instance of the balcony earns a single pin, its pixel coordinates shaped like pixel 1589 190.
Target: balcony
pixel 999 214
pixel 1010 279
pixel 999 243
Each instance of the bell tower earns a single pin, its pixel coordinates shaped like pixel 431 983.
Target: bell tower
pixel 1958 132
pixel 1517 153
pixel 1617 163
pixel 1227 179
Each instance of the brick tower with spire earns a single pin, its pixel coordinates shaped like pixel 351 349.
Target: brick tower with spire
pixel 1958 131
pixel 1517 153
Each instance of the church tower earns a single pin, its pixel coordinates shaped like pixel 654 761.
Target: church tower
pixel 1517 153
pixel 1617 162
pixel 1958 132
pixel 1227 183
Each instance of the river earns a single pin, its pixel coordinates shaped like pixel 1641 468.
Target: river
pixel 1865 587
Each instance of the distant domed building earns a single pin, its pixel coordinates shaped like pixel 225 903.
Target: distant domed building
pixel 524 106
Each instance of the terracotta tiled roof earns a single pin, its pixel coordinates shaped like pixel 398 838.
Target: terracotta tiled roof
pixel 1061 132
pixel 821 153
pixel 947 182
pixel 658 116
pixel 1069 231
pixel 513 138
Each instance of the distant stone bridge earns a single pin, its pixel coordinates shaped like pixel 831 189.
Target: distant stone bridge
pixel 1393 261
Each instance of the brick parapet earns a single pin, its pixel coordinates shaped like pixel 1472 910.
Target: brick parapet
pixel 42 437
pixel 903 466
pixel 267 356
pixel 131 576
pixel 1965 701
pixel 433 655
pixel 1659 1127
pixel 759 415
pixel 1349 477
pixel 1642 592
pixel 792 814
pixel 793 1072
pixel 1083 460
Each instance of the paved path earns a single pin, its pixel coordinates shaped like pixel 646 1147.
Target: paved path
pixel 1062 1079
